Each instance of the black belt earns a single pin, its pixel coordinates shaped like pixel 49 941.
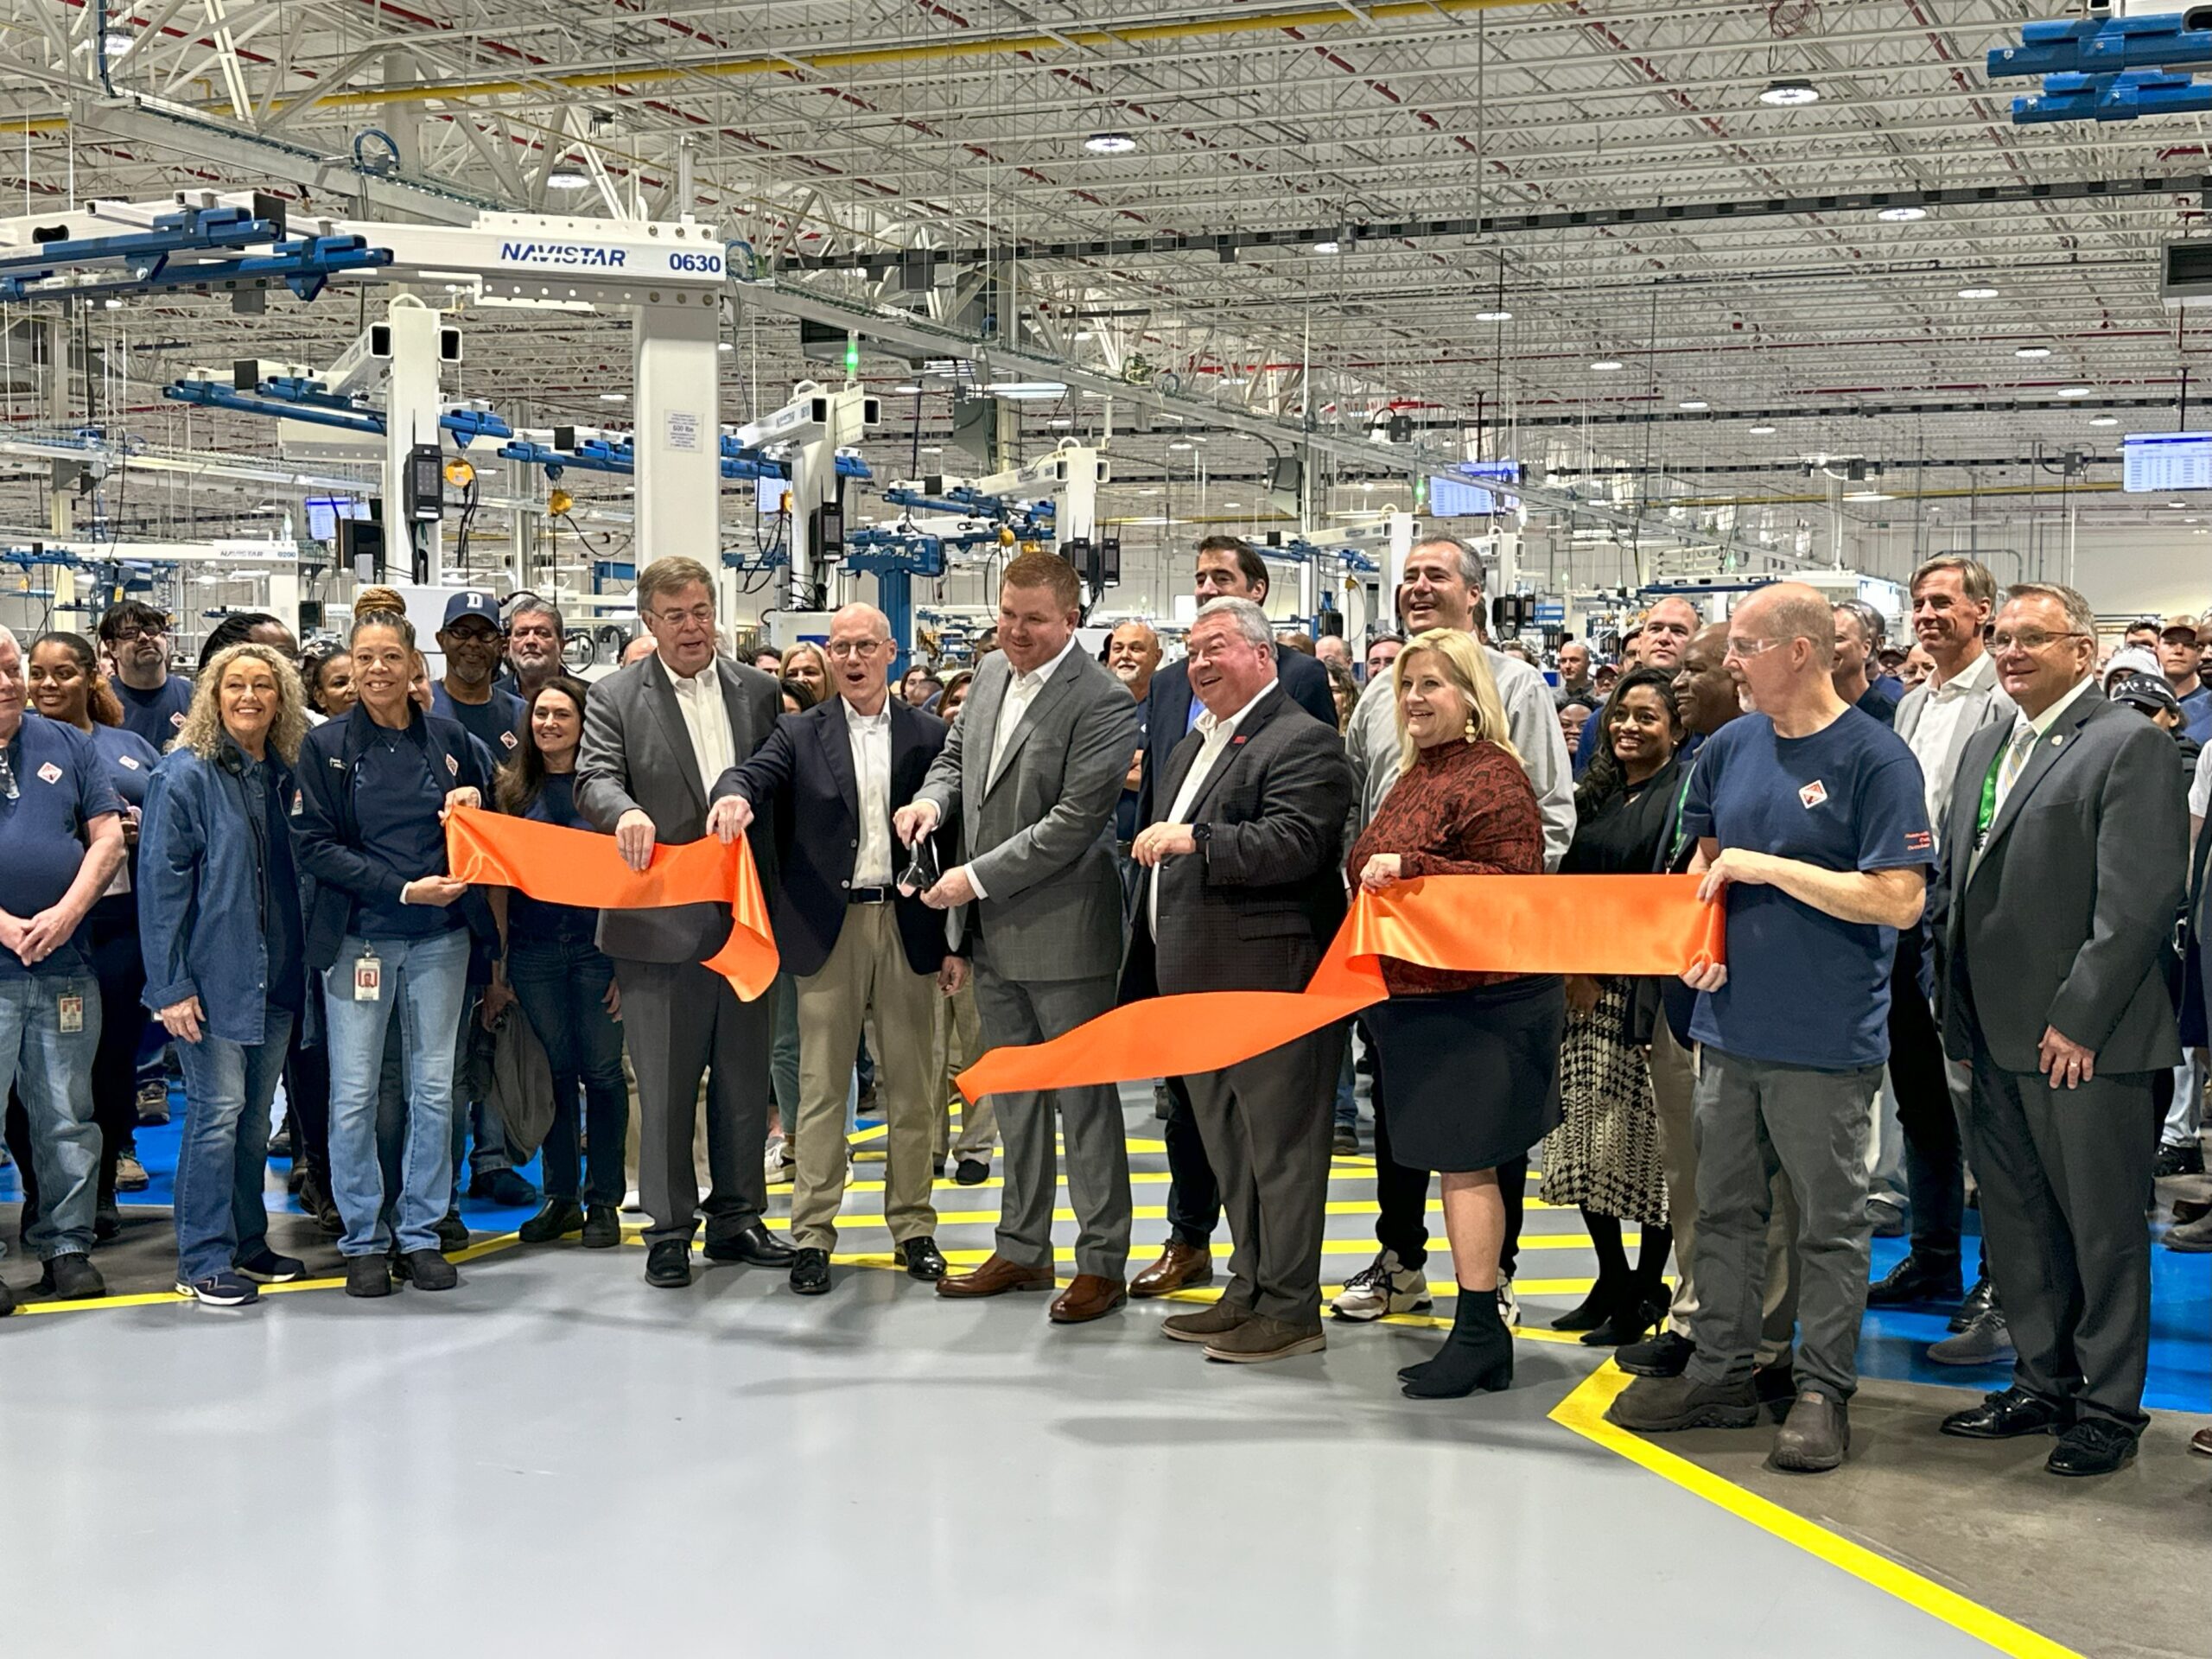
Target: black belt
pixel 870 895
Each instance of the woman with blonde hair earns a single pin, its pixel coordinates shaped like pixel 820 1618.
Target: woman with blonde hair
pixel 220 916
pixel 805 664
pixel 1470 1059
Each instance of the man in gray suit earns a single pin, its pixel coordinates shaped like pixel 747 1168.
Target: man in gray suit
pixel 2063 866
pixel 658 735
pixel 1031 773
pixel 1953 598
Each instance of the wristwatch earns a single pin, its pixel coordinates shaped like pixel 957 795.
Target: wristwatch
pixel 1202 839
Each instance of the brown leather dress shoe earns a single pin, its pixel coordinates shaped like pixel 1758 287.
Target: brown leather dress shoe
pixel 995 1277
pixel 1090 1297
pixel 1179 1268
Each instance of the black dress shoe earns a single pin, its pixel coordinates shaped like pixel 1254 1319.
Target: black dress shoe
pixel 602 1227
pixel 668 1264
pixel 1912 1283
pixel 921 1258
pixel 1978 1302
pixel 2185 1160
pixel 560 1218
pixel 451 1230
pixel 972 1172
pixel 756 1247
pixel 2006 1416
pixel 1664 1355
pixel 809 1272
pixel 2095 1445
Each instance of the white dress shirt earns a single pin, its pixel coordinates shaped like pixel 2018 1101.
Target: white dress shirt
pixel 870 737
pixel 2021 743
pixel 707 718
pixel 1022 690
pixel 1214 735
pixel 1945 706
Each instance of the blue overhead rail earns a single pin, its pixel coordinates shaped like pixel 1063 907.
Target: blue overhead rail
pixel 288 398
pixel 2108 68
pixel 148 261
pixel 619 456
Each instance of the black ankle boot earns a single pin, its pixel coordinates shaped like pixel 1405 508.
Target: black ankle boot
pixel 1606 1298
pixel 1478 1354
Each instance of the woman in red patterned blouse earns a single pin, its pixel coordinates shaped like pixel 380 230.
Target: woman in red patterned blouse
pixel 1471 1059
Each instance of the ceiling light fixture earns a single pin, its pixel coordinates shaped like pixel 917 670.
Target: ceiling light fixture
pixel 566 178
pixel 1901 215
pixel 1325 247
pixel 907 392
pixel 1493 316
pixel 2032 352
pixel 1977 293
pixel 2104 420
pixel 1791 94
pixel 1694 404
pixel 2177 506
pixel 1178 447
pixel 724 346
pixel 1109 144
pixel 2077 391
pixel 1762 431
pixel 1607 366
pixel 614 396
pixel 1868 495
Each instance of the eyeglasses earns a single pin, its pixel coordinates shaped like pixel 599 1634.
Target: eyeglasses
pixel 842 649
pixel 702 614
pixel 125 636
pixel 2030 639
pixel 1743 650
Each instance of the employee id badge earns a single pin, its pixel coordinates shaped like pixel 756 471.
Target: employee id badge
pixel 368 979
pixel 72 1009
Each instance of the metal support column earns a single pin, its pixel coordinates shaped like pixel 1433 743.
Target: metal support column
pixel 411 412
pixel 678 436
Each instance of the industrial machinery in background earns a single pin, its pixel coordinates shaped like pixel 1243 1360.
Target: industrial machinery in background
pixel 2120 60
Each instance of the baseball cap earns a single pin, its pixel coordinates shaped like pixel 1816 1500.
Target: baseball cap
pixel 470 602
pixel 2148 692
pixel 2179 624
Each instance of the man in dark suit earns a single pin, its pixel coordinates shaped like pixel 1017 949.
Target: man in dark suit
pixel 1244 892
pixel 659 734
pixel 2063 864
pixel 849 936
pixel 1227 568
pixel 1029 776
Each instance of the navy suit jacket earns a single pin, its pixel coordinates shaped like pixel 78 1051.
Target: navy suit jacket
pixel 1167 714
pixel 802 779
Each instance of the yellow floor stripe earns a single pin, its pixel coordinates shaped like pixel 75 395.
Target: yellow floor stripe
pixel 1583 1411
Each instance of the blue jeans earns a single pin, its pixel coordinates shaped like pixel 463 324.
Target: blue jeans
pixel 220 1219
pixel 51 1070
pixel 562 989
pixel 425 980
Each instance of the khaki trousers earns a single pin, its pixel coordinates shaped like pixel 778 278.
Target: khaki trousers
pixel 866 969
pixel 959 1033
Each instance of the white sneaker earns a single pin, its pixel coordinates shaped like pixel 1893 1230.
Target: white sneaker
pixel 631 1204
pixel 775 1165
pixel 1508 1304
pixel 1384 1286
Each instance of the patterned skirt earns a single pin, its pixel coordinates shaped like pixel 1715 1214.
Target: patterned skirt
pixel 1605 1154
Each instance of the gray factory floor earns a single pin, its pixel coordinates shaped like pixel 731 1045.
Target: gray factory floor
pixel 554 1454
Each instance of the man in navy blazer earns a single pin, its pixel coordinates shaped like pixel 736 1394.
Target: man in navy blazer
pixel 1227 568
pixel 830 781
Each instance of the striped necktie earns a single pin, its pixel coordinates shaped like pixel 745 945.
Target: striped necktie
pixel 2016 758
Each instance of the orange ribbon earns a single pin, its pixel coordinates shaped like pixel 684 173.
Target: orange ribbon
pixel 574 866
pixel 1592 925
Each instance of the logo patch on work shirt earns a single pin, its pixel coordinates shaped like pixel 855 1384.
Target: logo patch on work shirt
pixel 452 767
pixel 51 773
pixel 130 760
pixel 1813 794
pixel 507 738
pixel 1919 841
pixel 177 721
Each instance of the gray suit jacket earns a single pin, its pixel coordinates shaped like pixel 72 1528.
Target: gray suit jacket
pixel 1988 706
pixel 637 752
pixel 2068 918
pixel 1039 834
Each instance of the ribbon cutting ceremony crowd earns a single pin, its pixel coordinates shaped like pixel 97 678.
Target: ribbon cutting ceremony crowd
pixel 1981 899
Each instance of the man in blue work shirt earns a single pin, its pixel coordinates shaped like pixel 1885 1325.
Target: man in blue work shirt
pixel 473 645
pixel 153 700
pixel 1812 822
pixel 60 843
pixel 2181 654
